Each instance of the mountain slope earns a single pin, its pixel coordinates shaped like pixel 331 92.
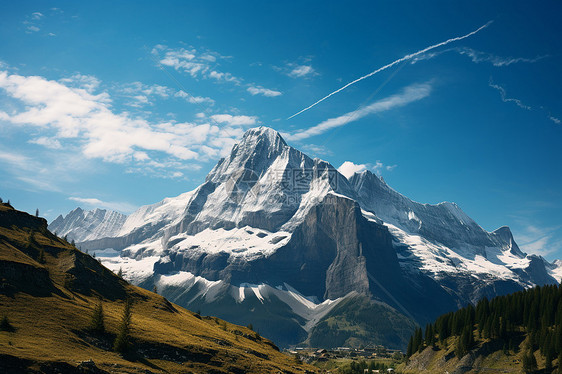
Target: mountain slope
pixel 506 334
pixel 80 225
pixel 269 216
pixel 48 291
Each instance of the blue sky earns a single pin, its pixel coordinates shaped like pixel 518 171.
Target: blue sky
pixel 120 104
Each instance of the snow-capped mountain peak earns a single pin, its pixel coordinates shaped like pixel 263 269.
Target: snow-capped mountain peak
pixel 268 215
pixel 83 225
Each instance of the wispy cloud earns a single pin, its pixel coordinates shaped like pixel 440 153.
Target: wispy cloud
pixel 301 69
pixel 480 57
pixel 194 99
pixel 519 103
pixel 122 207
pixel 50 171
pixel 405 58
pixel 258 90
pixel 316 150
pixel 234 120
pixel 87 82
pixel 34 22
pixel 410 94
pixel 538 240
pixel 194 62
pixel 506 99
pixel 223 77
pixel 47 142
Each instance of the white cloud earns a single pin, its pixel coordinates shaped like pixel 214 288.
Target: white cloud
pixel 85 121
pixel 234 120
pixel 258 90
pixel 390 167
pixel 314 149
pixel 33 28
pixel 141 94
pixel 302 71
pixel 47 142
pixel 87 82
pixel 97 203
pixel 410 94
pixel 194 99
pixel 226 77
pixel 193 62
pixel 348 168
pixel 36 15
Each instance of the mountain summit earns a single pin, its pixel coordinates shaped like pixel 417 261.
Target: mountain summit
pixel 273 235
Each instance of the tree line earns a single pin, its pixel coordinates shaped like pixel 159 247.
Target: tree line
pixel 535 314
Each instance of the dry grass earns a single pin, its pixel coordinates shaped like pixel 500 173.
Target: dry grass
pixel 167 338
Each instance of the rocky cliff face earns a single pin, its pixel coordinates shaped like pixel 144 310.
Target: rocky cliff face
pixel 269 216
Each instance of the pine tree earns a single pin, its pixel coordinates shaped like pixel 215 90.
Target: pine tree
pixel 96 323
pixel 465 342
pixel 155 289
pixel 122 341
pixel 41 257
pixel 529 362
pixel 410 350
pixel 418 340
pixel 120 273
pixel 5 324
pixel 37 212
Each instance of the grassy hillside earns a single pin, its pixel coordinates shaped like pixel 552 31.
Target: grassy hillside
pixel 361 322
pixel 521 332
pixel 49 291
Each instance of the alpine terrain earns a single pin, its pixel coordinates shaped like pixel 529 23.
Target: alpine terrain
pixel 61 311
pixel 284 242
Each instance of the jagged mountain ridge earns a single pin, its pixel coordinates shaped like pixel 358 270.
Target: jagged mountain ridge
pixel 82 225
pixel 270 215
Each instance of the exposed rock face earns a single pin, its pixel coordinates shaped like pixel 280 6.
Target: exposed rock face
pixel 269 216
pixel 80 225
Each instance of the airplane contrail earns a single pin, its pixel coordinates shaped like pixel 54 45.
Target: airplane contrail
pixel 407 57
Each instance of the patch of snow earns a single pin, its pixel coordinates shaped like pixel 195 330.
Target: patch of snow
pixel 134 271
pixel 436 258
pixel 246 242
